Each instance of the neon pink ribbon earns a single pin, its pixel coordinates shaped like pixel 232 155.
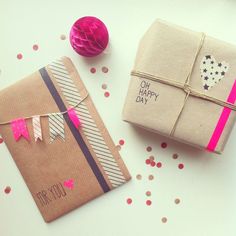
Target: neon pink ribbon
pixel 222 120
pixel 73 116
pixel 19 128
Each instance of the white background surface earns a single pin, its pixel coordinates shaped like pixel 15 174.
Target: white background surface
pixel 207 184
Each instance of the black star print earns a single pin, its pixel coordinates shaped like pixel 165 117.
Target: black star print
pixel 217 73
pixel 204 62
pixel 219 64
pixel 208 57
pixel 205 70
pixel 222 73
pixel 206 87
pixel 206 78
pixel 212 62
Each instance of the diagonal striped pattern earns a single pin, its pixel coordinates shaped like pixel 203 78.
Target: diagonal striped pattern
pixel 56 126
pixel 88 125
pixel 37 128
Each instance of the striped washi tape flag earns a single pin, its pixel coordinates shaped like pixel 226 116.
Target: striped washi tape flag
pixel 88 125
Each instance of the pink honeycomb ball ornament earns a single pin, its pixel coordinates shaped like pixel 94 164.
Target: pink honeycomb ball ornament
pixel 89 36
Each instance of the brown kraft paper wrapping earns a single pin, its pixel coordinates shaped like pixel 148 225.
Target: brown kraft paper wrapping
pixel 87 156
pixel 168 51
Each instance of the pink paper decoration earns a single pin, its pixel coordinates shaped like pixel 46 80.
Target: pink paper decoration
pixel 89 36
pixel 19 128
pixel 74 118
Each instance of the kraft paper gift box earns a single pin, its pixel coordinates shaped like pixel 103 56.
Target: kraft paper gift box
pixel 82 163
pixel 183 86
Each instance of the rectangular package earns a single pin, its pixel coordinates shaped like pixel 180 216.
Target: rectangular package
pixel 63 174
pixel 183 86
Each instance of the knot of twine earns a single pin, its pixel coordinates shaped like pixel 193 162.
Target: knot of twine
pixel 185 86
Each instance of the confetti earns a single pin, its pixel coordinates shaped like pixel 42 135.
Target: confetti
pixel 159 164
pixel 164 219
pixel 129 201
pixel 118 147
pixel 104 86
pixel 148 161
pixel 138 177
pixel 163 145
pixel 35 47
pixel 148 193
pixel 150 177
pixel 181 166
pixel 175 156
pixel 19 56
pixel 1 140
pixel 151 158
pixel 149 149
pixel 153 163
pixel 177 201
pixel 93 70
pixel 7 190
pixel 62 37
pixel 106 94
pixel 105 69
pixel 148 202
pixel 121 142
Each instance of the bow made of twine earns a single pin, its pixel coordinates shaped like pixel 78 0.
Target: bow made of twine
pixel 185 86
pixel 47 114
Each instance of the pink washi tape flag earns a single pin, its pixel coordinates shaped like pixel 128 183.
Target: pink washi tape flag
pixel 74 118
pixel 222 120
pixel 19 128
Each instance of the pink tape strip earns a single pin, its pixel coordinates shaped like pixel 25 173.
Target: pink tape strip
pixel 222 120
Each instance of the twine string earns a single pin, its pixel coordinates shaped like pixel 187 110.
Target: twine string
pixel 185 87
pixel 47 114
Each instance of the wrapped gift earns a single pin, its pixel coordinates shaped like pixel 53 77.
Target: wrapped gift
pixel 183 86
pixel 58 140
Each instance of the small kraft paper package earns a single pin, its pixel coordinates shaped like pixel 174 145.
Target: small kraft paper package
pixel 183 86
pixel 58 140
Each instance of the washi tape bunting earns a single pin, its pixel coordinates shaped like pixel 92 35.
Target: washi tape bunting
pixel 56 126
pixel 19 129
pixel 37 128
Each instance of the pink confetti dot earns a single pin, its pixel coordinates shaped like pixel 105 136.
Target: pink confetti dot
pixel 35 47
pixel 7 190
pixel 148 161
pixel 121 142
pixel 153 163
pixel 159 164
pixel 164 145
pixel 149 149
pixel 19 56
pixel 148 202
pixel 106 94
pixel 181 166
pixel 93 70
pixel 1 140
pixel 129 201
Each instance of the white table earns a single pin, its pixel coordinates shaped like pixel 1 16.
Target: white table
pixel 206 186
